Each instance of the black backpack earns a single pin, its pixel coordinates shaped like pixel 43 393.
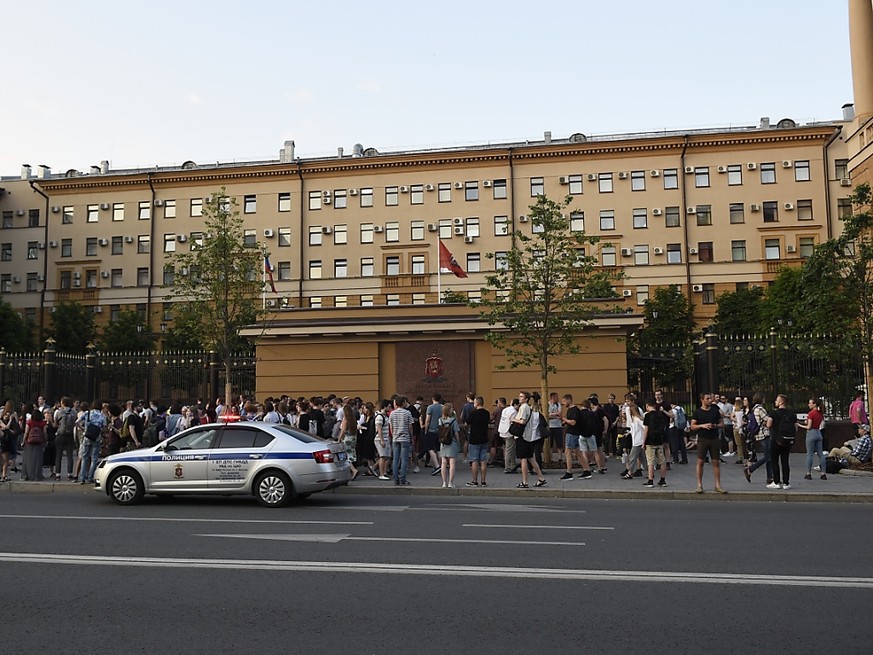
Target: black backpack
pixel 787 429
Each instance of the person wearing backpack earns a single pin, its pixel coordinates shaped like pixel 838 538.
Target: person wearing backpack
pixel 65 441
pixel 782 440
pixel 33 441
pixel 93 423
pixel 758 425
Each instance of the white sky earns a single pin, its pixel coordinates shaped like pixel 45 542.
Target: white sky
pixel 161 82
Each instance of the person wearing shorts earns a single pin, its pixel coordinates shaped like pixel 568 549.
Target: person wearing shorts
pixel 573 421
pixel 477 451
pixel 655 426
pixel 705 423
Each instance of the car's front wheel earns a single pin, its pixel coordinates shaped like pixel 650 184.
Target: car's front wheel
pixel 126 487
pixel 273 489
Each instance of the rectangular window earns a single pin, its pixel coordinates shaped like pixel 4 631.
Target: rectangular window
pixel 735 174
pixel 537 187
pixel 416 230
pixel 704 251
pixel 142 276
pixel 444 192
pixel 314 200
pixel 196 208
pixel 501 226
pixel 768 173
pixel 250 238
pixel 366 196
pixel 314 269
pixel 143 244
pixel 367 233
pixel 674 253
pixel 642 294
pixel 32 281
pixel 417 264
pixel 638 180
pixel 196 240
pixel 92 215
pixel 640 215
pixel 284 202
pixel 67 214
pixel 392 299
pixel 367 267
pixel 250 204
pixel 574 183
pixel 91 278
pixel 366 301
pixel 738 251
pixel 169 243
pixel 169 209
pixel 340 235
pixel 118 211
pixel 392 265
pixel 844 208
pixel 737 212
pixel 671 217
pixel 315 235
pixel 416 194
pixel 708 294
pixel 701 176
pixel 474 262
pixel 607 255
pixel 392 197
pixel 472 227
pixel 315 302
pixel 340 301
pixel 418 298
pixel 114 311
pixel 6 252
pixel 807 245
pixel 499 189
pixel 474 296
pixel 33 250
pixel 772 249
pixel 641 255
pixel 671 178
pixel 771 211
pixel 169 274
pixel 284 238
pixel 66 279
pixel 66 247
pixel 841 168
pixel 604 182
pixel 704 214
pixel 340 268
pixel 801 170
pixel 445 228
pixel 284 271
pixel 90 246
pixel 501 261
pixel 392 232
pixel 32 218
pixel 471 191
pixel 144 210
pixel 804 210
pixel 607 219
pixel 577 221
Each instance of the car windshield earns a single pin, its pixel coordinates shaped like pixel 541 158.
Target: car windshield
pixel 300 435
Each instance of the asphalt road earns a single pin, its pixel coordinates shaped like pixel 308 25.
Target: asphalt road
pixel 375 574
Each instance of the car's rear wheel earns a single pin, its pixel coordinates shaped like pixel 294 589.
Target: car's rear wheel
pixel 273 489
pixel 126 487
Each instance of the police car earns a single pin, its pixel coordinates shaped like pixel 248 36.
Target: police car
pixel 275 463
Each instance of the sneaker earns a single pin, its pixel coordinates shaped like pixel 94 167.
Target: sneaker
pixel 602 470
pixel 384 477
pixel 824 477
pixel 730 454
pixel 416 469
pixel 669 468
pixel 397 483
pixel 405 482
pixel 816 468
pixel 451 485
pixel 584 475
pixel 638 473
pixel 748 474
pixel 662 482
pixel 483 484
pixel 568 476
pixel 774 485
pixel 699 490
pixel 808 476
pixel 649 483
pixel 436 471
pixel 719 490
pixel 445 485
pixel 472 484
pixel 786 486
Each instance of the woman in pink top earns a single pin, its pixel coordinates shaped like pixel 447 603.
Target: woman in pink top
pixel 814 439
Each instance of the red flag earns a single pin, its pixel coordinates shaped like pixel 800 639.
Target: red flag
pixel 268 270
pixel 447 260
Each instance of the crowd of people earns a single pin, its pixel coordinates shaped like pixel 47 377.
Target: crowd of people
pixel 387 439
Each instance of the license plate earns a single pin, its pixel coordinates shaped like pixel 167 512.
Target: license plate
pixel 341 457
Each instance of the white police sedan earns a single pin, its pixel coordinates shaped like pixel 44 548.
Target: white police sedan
pixel 275 463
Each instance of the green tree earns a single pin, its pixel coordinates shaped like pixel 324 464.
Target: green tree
pixel 127 333
pixel 739 312
pixel 662 348
pixel 72 328
pixel 535 302
pixel 182 334
pixel 16 335
pixel 218 283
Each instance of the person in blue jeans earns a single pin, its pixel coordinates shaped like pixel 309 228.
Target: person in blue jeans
pixel 400 422
pixel 92 423
pixel 765 422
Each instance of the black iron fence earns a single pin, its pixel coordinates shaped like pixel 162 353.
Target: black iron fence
pixel 161 376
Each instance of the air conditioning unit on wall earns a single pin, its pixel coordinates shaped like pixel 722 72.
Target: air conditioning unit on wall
pixel 627 293
pixel 697 288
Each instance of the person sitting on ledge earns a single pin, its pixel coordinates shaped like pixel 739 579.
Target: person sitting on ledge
pixel 856 451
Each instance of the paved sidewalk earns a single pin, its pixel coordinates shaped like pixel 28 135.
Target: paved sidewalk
pixel 681 485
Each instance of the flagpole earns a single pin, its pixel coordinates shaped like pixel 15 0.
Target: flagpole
pixel 439 269
pixel 264 284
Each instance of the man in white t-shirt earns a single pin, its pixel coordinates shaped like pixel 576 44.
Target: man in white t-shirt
pixel 510 461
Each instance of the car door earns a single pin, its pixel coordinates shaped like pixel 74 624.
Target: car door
pixel 184 461
pixel 236 457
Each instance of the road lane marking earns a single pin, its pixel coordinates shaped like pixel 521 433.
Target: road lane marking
pixel 335 538
pixel 535 527
pixel 702 577
pixel 501 507
pixel 180 520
